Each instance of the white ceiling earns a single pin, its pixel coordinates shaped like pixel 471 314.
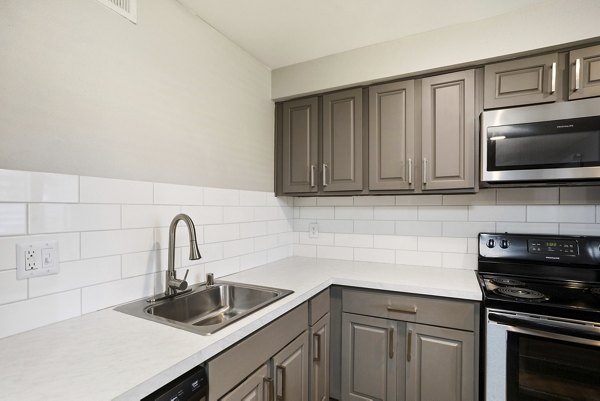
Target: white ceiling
pixel 284 32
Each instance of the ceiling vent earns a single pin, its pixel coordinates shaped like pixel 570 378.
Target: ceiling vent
pixel 127 8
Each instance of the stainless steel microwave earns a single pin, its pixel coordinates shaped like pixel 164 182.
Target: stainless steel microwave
pixel 558 141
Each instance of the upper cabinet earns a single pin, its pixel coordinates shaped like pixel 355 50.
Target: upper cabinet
pixel 448 131
pixel 300 145
pixel 342 167
pixel 584 70
pixel 524 81
pixel 392 136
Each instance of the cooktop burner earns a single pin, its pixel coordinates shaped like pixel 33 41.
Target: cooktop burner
pixel 509 282
pixel 521 293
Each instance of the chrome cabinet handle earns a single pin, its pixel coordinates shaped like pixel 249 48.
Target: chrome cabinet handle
pixel 281 369
pixel 317 347
pixel 409 346
pixel 312 175
pixel 391 342
pixel 424 171
pixel 403 309
pixel 410 172
pixel 325 174
pixel 577 73
pixel 553 78
pixel 268 383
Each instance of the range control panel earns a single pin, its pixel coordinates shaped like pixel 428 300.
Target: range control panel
pixel 553 247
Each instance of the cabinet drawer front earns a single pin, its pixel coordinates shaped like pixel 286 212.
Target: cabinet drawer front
pixel 411 308
pixel 318 307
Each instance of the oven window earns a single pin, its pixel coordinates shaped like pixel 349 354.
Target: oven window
pixel 539 368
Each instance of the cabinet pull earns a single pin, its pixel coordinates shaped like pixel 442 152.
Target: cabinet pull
pixel 409 346
pixel 268 383
pixel 402 309
pixel 410 172
pixel 553 78
pixel 281 369
pixel 577 73
pixel 424 171
pixel 312 175
pixel 317 347
pixel 391 342
pixel 325 174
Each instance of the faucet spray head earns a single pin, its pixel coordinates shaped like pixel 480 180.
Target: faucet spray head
pixel 194 251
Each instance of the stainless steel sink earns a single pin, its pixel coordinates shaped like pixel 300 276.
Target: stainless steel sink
pixel 204 310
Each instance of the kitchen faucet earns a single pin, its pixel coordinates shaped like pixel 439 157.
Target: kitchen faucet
pixel 172 283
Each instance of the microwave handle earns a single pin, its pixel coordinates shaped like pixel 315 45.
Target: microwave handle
pixel 547 326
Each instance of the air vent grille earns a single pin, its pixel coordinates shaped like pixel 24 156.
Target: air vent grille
pixel 127 8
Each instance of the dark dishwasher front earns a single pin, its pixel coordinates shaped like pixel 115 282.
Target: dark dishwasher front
pixel 191 386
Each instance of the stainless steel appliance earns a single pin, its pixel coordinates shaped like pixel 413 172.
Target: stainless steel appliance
pixel 191 386
pixel 558 141
pixel 542 316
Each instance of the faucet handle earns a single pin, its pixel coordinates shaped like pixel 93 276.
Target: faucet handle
pixel 186 274
pixel 210 279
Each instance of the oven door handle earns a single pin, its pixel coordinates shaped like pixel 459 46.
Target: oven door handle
pixel 546 326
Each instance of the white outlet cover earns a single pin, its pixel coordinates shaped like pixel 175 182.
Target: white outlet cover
pixel 37 259
pixel 313 230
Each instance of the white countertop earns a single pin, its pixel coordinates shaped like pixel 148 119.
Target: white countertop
pixel 109 355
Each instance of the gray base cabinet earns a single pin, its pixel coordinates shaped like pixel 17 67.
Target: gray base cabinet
pixel 257 387
pixel 584 66
pixel 291 370
pixel 319 364
pixel 392 356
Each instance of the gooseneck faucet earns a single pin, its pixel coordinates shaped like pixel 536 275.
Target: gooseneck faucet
pixel 174 284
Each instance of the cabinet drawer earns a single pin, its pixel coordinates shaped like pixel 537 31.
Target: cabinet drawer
pixel 318 306
pixel 411 308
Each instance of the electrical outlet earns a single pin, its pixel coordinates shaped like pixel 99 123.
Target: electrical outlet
pixel 37 259
pixel 313 230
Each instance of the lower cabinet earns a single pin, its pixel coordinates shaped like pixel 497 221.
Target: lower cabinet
pixel 319 363
pixel 386 358
pixel 291 370
pixel 257 387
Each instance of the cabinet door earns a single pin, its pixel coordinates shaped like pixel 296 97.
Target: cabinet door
pixel 448 131
pixel 369 358
pixel 525 81
pixel 584 73
pixel 300 145
pixel 391 136
pixel 291 370
pixel 441 364
pixel 319 365
pixel 342 168
pixel 255 388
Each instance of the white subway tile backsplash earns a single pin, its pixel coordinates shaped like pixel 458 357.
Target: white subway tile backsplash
pixel 459 260
pixel 266 242
pixel 335 252
pixel 419 228
pixel 305 201
pixel 326 212
pixel 54 217
pixel 278 226
pixel 418 200
pixel 417 258
pixel 11 289
pixel 483 197
pixel 395 242
pixel 201 215
pixel 108 190
pixel 172 194
pixel 254 229
pixel 137 264
pixel 223 267
pixel 253 198
pixel 221 232
pixel 334 226
pixel 77 274
pixel 579 229
pixel 466 229
pixel 473 245
pixel 238 247
pixel 141 216
pixel 209 253
pixel 106 295
pixel 309 251
pixel 524 196
pixel 238 214
pixel 384 200
pixel 579 195
pixel 527 228
pixel 281 252
pixel 25 186
pixel 375 255
pixel 354 213
pixel 104 243
pixel 13 219
pixel 285 238
pixel 252 260
pixel 561 214
pixel 497 213
pixel 21 316
pixel 221 197
pixel 322 239
pixel 443 213
pixel 68 245
pixel 196 274
pixel 182 238
pixel 354 240
pixel 396 213
pixel 374 227
pixel 335 201
pixel 442 244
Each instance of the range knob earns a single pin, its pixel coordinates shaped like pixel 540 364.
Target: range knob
pixel 491 243
pixel 503 244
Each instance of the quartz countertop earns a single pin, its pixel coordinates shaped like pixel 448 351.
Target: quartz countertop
pixel 107 355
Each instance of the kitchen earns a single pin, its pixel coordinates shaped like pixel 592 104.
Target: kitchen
pixel 110 129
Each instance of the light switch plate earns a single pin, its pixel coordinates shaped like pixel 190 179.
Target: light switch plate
pixel 37 259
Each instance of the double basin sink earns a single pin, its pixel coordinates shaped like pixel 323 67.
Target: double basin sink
pixel 205 310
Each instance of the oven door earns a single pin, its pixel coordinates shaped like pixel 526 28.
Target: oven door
pixel 540 358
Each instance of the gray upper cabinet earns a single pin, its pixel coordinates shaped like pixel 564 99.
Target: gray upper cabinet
pixel 392 136
pixel 342 168
pixel 525 81
pixel 448 131
pixel 584 66
pixel 300 145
